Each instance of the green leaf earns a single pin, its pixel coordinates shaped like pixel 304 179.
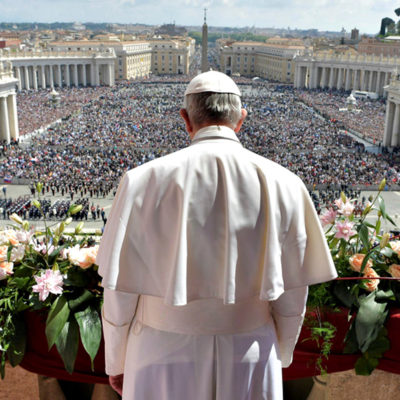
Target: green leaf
pixel 16 351
pixel 365 365
pixel 67 343
pixel 364 235
pixel 370 359
pixel 378 226
pixel 90 329
pixel 342 290
pixel 382 207
pixel 58 316
pixel 388 252
pixel 351 345
pixel 74 304
pixel 382 295
pixel 76 277
pixel 369 320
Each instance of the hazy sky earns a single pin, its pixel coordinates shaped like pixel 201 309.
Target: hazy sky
pixel 320 14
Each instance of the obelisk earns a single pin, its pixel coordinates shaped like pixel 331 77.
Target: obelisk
pixel 204 45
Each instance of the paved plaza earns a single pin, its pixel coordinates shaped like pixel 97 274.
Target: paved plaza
pixel 392 202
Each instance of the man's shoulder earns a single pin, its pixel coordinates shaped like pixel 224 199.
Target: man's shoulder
pixel 272 170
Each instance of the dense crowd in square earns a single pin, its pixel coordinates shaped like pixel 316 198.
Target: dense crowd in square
pixel 106 131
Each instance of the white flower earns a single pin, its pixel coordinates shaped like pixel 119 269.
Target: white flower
pixel 17 253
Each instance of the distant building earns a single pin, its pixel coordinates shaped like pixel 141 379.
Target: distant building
pixel 8 104
pixel 349 71
pixel 355 34
pixel 272 60
pixel 391 137
pixel 171 56
pixel 386 47
pixel 10 43
pixel 133 57
pixel 171 30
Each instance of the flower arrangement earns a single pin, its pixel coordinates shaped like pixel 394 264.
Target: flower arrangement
pixel 368 264
pixel 54 272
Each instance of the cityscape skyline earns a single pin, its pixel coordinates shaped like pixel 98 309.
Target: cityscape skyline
pixel 324 15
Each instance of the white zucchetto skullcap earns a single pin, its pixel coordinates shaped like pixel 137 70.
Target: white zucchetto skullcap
pixel 212 81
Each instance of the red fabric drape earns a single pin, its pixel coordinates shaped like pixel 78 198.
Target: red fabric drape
pixel 41 361
pixel 49 363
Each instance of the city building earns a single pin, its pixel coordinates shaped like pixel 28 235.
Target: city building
pixel 10 43
pixel 36 68
pixel 171 56
pixel 8 104
pixel 344 71
pixel 133 58
pixel 272 60
pixel 386 47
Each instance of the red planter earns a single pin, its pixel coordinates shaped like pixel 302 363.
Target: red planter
pixel 49 363
pixel 307 352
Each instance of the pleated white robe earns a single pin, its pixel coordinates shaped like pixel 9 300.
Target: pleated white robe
pixel 212 221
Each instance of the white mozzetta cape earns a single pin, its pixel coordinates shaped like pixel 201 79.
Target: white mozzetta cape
pixel 213 220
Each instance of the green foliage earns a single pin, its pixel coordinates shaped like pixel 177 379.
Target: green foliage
pixel 366 254
pixel 67 343
pixel 239 37
pixel 72 298
pixel 90 329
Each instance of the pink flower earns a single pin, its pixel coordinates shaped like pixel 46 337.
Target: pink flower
pixel 395 245
pixel 356 261
pixel 84 257
pixel 394 270
pixel 328 217
pixel 344 230
pixel 6 268
pixel 344 208
pixel 372 284
pixel 48 282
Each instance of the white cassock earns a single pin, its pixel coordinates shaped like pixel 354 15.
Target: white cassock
pixel 206 259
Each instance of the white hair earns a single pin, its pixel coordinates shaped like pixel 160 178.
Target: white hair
pixel 217 108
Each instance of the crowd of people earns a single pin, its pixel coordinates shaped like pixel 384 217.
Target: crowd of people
pixel 367 118
pixel 106 131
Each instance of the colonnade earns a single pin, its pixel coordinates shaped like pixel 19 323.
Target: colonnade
pixel 33 77
pixel 391 137
pixel 347 73
pixel 8 104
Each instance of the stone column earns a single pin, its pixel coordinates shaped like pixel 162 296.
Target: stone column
pixel 34 75
pixel 362 80
pixel 387 138
pixel 59 76
pixel 18 76
pixel 96 75
pixel 347 85
pixel 387 78
pixel 331 77
pixel 4 124
pixel 26 76
pixel 378 83
pixel 51 77
pixel 109 75
pixel 340 79
pixel 75 75
pixel 84 80
pixel 67 76
pixel 13 116
pixel 396 126
pixel 371 75
pixel 43 77
pixel 323 79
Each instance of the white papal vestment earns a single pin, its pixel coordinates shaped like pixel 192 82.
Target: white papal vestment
pixel 212 236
